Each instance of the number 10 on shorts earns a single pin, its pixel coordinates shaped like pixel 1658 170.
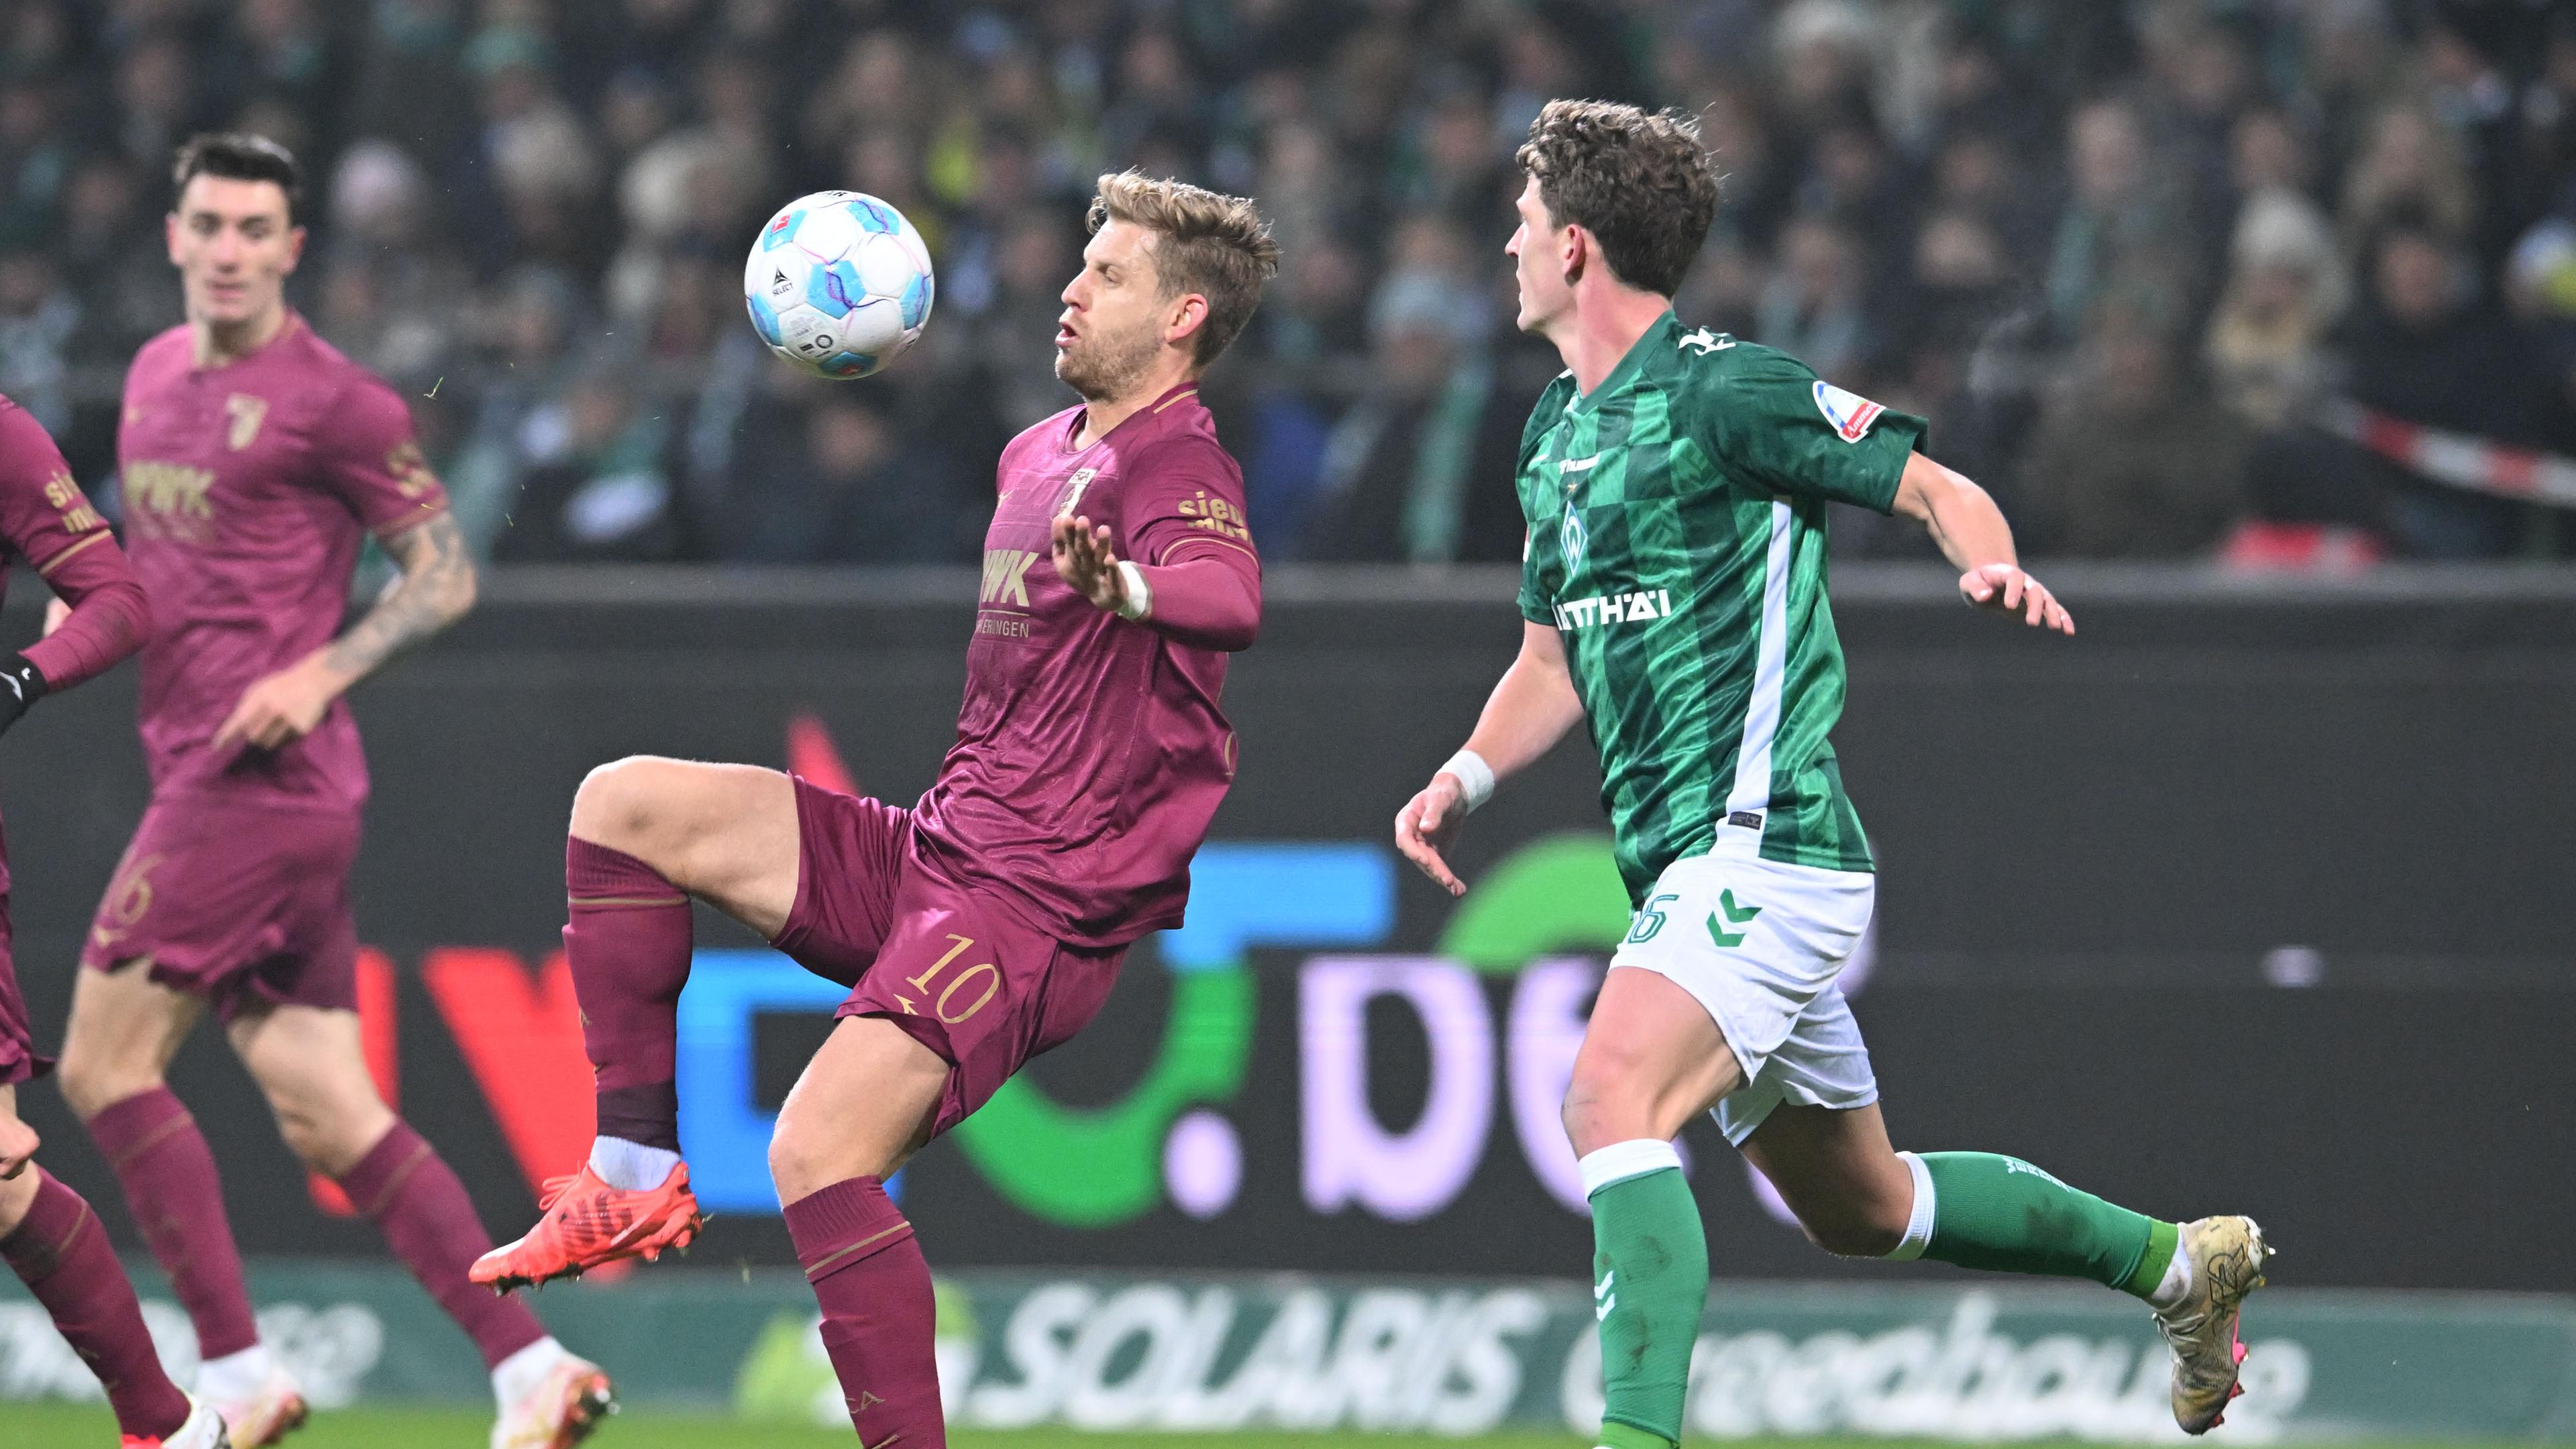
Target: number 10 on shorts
pixel 949 993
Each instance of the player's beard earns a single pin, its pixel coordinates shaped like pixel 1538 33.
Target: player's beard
pixel 1108 365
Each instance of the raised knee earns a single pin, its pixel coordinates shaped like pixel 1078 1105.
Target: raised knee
pixel 618 803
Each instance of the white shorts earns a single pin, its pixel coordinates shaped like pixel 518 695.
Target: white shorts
pixel 1758 945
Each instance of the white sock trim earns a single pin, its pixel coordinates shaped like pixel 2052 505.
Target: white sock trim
pixel 2175 1286
pixel 235 1376
pixel 631 1165
pixel 1918 1224
pixel 516 1377
pixel 1623 1160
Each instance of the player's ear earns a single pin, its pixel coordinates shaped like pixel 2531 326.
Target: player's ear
pixel 294 247
pixel 170 235
pixel 1188 314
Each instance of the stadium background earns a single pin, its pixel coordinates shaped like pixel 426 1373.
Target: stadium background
pixel 2249 897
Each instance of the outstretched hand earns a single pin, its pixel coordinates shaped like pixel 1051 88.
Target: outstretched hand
pixel 1428 825
pixel 2005 589
pixel 1084 559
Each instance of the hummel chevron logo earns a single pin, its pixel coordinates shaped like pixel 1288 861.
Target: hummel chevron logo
pixel 1603 1300
pixel 1735 916
pixel 1707 342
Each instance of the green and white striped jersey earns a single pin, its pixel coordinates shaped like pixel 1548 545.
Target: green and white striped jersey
pixel 1677 543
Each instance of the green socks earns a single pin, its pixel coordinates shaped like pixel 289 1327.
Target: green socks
pixel 1973 1209
pixel 2002 1215
pixel 1649 1289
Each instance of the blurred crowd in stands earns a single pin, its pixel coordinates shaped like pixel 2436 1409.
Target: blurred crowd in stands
pixel 2119 251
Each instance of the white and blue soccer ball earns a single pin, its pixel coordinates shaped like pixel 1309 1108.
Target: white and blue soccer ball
pixel 838 284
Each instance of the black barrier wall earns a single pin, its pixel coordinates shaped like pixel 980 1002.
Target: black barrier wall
pixel 2245 898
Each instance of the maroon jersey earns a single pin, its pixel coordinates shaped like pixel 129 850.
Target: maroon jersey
pixel 45 521
pixel 1091 751
pixel 249 488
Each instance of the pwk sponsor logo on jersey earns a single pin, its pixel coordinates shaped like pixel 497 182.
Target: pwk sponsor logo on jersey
pixel 1615 609
pixel 1006 586
pixel 1850 413
pixel 1006 576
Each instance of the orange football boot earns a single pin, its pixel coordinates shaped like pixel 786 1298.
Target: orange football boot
pixel 588 1223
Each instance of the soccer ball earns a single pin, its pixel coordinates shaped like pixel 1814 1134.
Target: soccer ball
pixel 838 284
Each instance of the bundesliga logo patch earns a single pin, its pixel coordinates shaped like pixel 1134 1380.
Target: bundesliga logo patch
pixel 1850 413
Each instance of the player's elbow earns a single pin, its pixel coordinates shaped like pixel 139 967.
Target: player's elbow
pixel 1236 635
pixel 1937 497
pixel 460 587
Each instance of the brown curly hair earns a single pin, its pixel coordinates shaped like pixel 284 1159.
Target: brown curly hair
pixel 1640 182
pixel 1205 242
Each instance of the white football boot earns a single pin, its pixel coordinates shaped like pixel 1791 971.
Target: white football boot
pixel 274 1411
pixel 204 1430
pixel 560 1409
pixel 2225 1256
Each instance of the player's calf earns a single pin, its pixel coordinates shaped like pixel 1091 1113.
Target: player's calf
pixel 1852 1194
pixel 53 1242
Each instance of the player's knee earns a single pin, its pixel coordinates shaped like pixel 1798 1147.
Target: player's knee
pixel 1601 1103
pixel 620 804
pixel 802 1163
pixel 94 1081
pixel 17 1194
pixel 331 1138
pixel 804 1159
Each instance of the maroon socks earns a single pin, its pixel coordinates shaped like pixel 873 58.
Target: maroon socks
pixel 59 1251
pixel 412 1196
pixel 628 942
pixel 171 1187
pixel 878 1316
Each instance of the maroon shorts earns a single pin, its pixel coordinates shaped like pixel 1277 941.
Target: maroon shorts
pixel 18 1059
pixel 236 901
pixel 951 964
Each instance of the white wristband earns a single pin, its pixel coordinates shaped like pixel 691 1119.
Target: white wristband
pixel 1140 595
pixel 1475 777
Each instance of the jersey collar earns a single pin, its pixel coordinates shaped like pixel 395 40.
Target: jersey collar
pixel 1176 393
pixel 1653 342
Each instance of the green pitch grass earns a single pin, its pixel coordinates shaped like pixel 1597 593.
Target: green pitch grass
pixel 56 1426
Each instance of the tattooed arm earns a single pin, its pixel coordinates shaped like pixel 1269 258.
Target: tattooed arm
pixel 435 589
